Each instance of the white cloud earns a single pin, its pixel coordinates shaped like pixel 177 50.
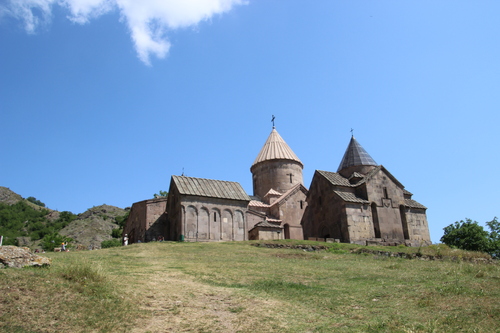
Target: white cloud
pixel 33 13
pixel 84 10
pixel 147 20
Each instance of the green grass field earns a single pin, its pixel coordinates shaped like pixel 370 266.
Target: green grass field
pixel 235 287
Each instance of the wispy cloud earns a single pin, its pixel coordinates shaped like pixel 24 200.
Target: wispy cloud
pixel 148 20
pixel 33 13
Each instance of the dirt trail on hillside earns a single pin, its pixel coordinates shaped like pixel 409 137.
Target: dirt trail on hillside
pixel 174 302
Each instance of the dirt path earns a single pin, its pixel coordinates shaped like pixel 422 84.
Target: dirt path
pixel 173 302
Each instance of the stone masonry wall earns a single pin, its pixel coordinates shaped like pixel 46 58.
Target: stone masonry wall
pixel 388 197
pixel 212 219
pixel 323 213
pixel 275 174
pixel 290 212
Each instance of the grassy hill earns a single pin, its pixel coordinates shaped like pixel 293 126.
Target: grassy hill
pixel 10 197
pixel 24 223
pixel 235 287
pixel 94 225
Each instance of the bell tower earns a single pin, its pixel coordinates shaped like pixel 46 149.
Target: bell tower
pixel 276 167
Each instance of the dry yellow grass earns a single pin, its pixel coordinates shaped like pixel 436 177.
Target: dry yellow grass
pixel 235 287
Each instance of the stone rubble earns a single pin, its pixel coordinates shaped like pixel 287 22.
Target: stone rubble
pixel 13 256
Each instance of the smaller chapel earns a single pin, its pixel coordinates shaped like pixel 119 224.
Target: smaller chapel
pixel 360 203
pixel 363 203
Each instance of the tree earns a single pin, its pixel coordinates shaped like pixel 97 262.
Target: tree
pixel 35 201
pixel 49 242
pixel 494 226
pixel 160 194
pixel 467 235
pixel 121 221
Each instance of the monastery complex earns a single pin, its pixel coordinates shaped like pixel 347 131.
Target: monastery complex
pixel 361 203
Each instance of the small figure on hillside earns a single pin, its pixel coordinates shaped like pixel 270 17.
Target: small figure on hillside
pixel 160 238
pixel 63 247
pixel 125 240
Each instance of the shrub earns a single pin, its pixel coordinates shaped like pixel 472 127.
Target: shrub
pixel 466 235
pixel 35 201
pixel 111 243
pixel 116 233
pixel 51 241
pixel 469 235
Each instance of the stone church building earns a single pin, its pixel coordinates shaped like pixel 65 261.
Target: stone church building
pixel 360 203
pixel 363 203
pixel 198 209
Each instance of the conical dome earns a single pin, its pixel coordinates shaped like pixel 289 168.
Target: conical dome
pixel 276 167
pixel 355 155
pixel 276 148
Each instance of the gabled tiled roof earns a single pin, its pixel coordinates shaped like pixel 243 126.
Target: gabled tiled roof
pixel 355 155
pixel 406 192
pixel 256 203
pixel 276 148
pixel 356 175
pixel 414 204
pixel 267 224
pixel 338 180
pixel 350 197
pixel 256 213
pixel 289 193
pixel 273 192
pixel 210 188
pixel 335 178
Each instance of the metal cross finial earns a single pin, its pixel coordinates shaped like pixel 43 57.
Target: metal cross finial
pixel 273 120
pixel 352 132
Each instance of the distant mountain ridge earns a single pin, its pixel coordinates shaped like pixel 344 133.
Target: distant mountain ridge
pixel 8 196
pixel 89 229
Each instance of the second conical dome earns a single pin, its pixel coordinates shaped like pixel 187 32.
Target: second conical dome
pixel 355 155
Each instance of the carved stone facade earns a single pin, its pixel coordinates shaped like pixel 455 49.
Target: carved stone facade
pixel 360 203
pixel 279 192
pixel 206 210
pixel 363 203
pixel 214 210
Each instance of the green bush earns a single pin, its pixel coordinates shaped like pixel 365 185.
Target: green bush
pixel 116 233
pixel 20 219
pixel 35 201
pixel 469 235
pixel 111 243
pixel 51 241
pixel 121 220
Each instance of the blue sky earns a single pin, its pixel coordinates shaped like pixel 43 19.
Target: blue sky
pixel 101 101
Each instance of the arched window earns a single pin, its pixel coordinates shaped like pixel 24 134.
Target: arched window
pixel 402 211
pixel 376 224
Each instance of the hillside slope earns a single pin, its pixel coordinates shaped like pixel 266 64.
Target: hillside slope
pixel 232 287
pixel 93 226
pixel 88 229
pixel 8 196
